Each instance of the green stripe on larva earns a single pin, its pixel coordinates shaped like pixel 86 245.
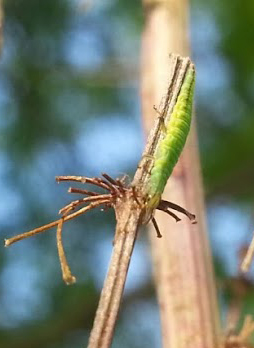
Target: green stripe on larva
pixel 171 145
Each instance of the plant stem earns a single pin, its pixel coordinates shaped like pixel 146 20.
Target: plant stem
pixel 126 232
pixel 182 263
pixel 130 215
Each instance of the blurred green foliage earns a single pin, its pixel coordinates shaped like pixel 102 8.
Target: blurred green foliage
pixel 67 68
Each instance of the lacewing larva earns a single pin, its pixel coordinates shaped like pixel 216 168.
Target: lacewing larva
pixel 172 143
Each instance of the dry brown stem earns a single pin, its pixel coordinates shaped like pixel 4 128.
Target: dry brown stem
pixel 55 223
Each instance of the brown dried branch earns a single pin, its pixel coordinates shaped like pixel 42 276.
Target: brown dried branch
pixel 83 179
pixel 74 204
pixel 43 228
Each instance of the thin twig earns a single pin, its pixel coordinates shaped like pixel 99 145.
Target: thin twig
pixel 74 204
pixel 109 179
pixel 112 184
pixel 82 191
pixel 83 180
pixel 53 224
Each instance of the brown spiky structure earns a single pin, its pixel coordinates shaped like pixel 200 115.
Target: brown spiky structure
pixel 116 189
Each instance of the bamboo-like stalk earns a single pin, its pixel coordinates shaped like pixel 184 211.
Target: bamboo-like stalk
pixel 182 261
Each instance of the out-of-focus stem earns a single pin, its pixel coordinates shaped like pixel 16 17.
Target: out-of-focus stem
pixel 182 260
pixel 245 266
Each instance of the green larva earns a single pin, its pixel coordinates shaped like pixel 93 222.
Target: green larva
pixel 171 146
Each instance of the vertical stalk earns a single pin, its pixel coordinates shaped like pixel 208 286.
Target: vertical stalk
pixel 182 260
pixel 128 216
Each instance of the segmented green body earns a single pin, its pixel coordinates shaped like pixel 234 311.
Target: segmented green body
pixel 173 142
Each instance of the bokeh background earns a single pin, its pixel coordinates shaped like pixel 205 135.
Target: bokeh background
pixel 69 104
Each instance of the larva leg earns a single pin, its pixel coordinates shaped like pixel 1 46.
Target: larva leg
pixel 172 215
pixel 165 206
pixel 159 235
